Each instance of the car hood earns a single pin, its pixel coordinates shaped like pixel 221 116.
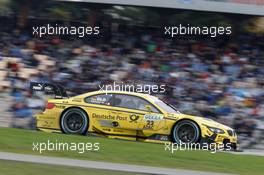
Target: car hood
pixel 202 121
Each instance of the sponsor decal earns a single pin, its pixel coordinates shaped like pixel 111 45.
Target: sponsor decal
pixel 107 123
pixel 133 118
pixel 61 107
pixel 98 100
pixel 41 87
pixel 152 117
pixel 164 138
pixel 77 99
pixel 159 137
pixel 109 117
pixel 106 129
pixel 48 88
pixel 118 117
pixel 46 124
pixel 36 86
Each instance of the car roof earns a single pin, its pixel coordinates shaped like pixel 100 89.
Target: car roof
pixel 145 96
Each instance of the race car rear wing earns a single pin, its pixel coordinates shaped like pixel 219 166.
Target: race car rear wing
pixel 49 88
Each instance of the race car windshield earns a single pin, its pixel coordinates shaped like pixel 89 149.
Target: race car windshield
pixel 166 107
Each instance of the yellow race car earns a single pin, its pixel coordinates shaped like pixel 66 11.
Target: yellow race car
pixel 129 115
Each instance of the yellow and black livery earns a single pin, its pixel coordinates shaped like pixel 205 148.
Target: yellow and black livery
pixel 129 115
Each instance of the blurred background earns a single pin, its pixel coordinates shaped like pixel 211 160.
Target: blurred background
pixel 220 78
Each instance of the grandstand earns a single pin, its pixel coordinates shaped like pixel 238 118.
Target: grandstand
pixel 218 78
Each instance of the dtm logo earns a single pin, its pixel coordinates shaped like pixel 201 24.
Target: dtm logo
pixel 152 117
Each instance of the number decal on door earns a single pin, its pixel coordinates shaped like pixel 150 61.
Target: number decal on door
pixel 149 125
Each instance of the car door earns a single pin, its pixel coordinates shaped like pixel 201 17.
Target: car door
pixel 135 113
pixel 99 110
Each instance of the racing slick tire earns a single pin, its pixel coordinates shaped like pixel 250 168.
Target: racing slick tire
pixel 74 121
pixel 186 131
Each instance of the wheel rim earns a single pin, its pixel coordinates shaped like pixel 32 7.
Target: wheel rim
pixel 186 133
pixel 74 121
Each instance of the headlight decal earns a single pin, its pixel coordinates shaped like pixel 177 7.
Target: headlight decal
pixel 215 130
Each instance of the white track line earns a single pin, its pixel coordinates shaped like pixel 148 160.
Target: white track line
pixel 100 165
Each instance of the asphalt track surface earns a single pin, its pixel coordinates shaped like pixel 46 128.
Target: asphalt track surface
pixel 100 165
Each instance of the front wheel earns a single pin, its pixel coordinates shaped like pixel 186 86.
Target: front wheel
pixel 74 121
pixel 186 131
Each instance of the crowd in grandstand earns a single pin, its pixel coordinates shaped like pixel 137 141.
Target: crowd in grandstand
pixel 219 78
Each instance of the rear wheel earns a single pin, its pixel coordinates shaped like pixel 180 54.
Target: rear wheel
pixel 186 131
pixel 74 121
